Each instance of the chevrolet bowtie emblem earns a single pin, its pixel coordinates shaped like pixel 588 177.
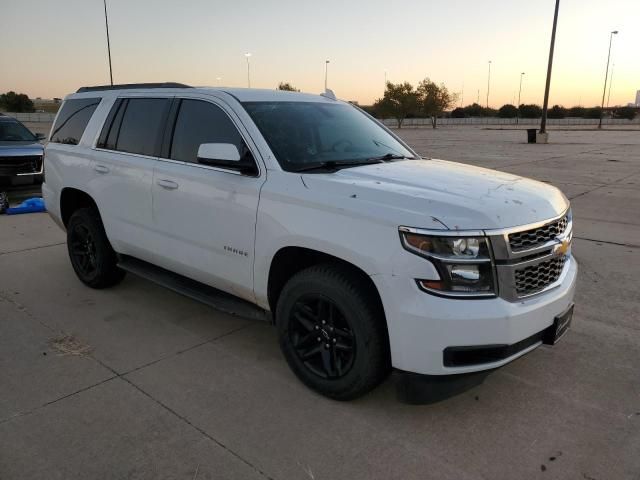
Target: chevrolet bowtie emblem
pixel 562 248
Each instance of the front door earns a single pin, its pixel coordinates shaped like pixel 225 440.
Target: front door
pixel 205 216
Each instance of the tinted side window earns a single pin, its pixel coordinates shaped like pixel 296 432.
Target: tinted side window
pixel 202 122
pixel 111 126
pixel 73 119
pixel 141 123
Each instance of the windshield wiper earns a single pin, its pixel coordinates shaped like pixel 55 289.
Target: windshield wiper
pixel 336 164
pixel 389 156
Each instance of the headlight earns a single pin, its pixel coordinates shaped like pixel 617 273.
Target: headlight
pixel 463 263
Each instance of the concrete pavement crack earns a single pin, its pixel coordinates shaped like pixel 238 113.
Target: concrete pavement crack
pixel 611 184
pixel 51 402
pixel 183 418
pixel 619 244
pixel 32 248
pixel 198 429
pixel 179 352
pixel 555 157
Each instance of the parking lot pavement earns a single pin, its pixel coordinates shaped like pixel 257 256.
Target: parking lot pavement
pixel 139 382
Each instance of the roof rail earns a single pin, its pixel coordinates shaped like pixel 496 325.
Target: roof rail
pixel 124 86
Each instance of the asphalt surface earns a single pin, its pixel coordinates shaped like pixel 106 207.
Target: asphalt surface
pixel 139 382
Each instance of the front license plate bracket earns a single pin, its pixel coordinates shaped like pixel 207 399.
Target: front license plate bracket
pixel 560 326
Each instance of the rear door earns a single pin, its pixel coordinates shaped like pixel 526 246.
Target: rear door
pixel 205 214
pixel 125 154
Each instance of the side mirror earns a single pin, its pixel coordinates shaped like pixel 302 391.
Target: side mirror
pixel 40 136
pixel 218 153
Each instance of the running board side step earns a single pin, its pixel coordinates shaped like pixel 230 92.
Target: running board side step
pixel 190 288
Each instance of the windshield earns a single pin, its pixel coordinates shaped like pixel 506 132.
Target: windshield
pixel 15 132
pixel 302 134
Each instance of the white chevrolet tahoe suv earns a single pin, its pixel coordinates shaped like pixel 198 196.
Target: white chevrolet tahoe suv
pixel 363 254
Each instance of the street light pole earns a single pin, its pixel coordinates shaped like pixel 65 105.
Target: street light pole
pixel 610 83
pixel 606 75
pixel 488 83
pixel 519 93
pixel 106 22
pixel 326 73
pixel 545 105
pixel 247 56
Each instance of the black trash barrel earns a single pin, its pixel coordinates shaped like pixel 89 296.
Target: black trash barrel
pixel 531 135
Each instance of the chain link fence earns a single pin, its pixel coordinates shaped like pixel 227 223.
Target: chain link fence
pixel 426 122
pixel 32 117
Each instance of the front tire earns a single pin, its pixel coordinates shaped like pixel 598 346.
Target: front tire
pixel 90 252
pixel 332 332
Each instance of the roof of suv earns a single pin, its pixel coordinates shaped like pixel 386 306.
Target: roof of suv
pixel 241 94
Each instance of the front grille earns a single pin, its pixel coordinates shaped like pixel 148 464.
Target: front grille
pixel 535 278
pixel 527 239
pixel 20 165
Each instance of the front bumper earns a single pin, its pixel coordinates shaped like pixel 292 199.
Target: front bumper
pixel 421 326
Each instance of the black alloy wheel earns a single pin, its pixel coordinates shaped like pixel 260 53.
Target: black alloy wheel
pixel 322 336
pixel 82 249
pixel 92 257
pixel 332 330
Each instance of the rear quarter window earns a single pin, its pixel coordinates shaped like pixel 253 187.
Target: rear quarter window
pixel 73 119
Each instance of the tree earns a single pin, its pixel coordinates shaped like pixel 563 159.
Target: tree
pixel 593 112
pixel 577 112
pixel 434 99
pixel 508 111
pixel 557 112
pixel 530 111
pixel 474 110
pixel 625 112
pixel 16 102
pixel 458 113
pixel 286 86
pixel 399 101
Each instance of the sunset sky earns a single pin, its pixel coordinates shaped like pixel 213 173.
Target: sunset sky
pixel 49 48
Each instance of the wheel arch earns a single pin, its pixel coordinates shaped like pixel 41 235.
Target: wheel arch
pixel 72 199
pixel 292 259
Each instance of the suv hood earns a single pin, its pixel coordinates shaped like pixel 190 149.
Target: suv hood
pixel 16 149
pixel 437 193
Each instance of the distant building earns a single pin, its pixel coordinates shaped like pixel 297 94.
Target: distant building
pixel 638 98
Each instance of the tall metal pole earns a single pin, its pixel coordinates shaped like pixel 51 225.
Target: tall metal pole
pixel 519 93
pixel 106 22
pixel 520 90
pixel 247 56
pixel 326 72
pixel 606 75
pixel 385 82
pixel 610 83
pixel 545 105
pixel 488 83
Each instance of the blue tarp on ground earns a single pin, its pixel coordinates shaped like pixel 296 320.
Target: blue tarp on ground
pixel 30 205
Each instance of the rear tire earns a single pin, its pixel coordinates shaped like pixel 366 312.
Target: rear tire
pixel 332 332
pixel 90 252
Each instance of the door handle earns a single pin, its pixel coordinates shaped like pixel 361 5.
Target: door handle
pixel 167 184
pixel 101 169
